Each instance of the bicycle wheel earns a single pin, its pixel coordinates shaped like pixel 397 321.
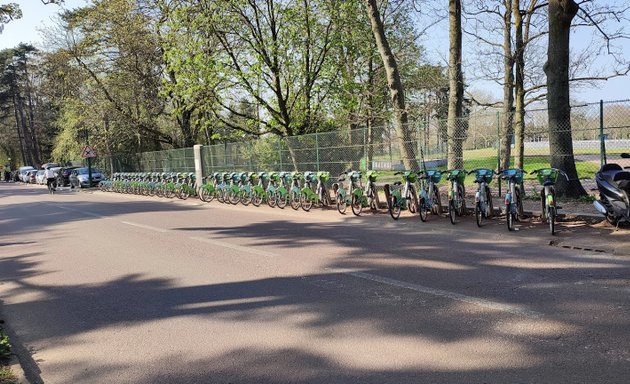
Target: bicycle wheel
pixel 295 200
pixel 489 205
pixel 341 204
pixel 437 204
pixel 551 217
pixel 234 197
pixel 373 202
pixel 282 200
pixel 509 216
pixel 203 195
pixel 306 202
pixel 452 211
pixel 461 198
pixel 479 213
pixel 357 205
pixel 424 211
pixel 325 199
pixel 271 199
pixel 246 198
pixel 256 199
pixel 220 195
pixel 394 207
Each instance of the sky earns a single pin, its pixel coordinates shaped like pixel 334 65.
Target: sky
pixel 37 16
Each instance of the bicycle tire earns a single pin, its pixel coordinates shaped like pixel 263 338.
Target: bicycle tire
pixel 305 202
pixel 325 199
pixel 394 207
pixel 509 217
pixel 479 213
pixel 452 212
pixel 424 212
pixel 272 201
pixel 341 204
pixel 246 198
pixel 437 203
pixel 282 200
pixel 552 220
pixel 461 197
pixel 234 197
pixel 295 200
pixel 256 199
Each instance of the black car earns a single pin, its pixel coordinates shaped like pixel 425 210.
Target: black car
pixel 63 177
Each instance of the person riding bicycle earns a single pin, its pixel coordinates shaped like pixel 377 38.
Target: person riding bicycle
pixel 49 174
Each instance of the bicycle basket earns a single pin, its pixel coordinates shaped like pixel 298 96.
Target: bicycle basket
pixel 513 173
pixel 355 175
pixel 434 175
pixel 411 176
pixel 458 174
pixel 274 176
pixel 309 176
pixel 372 175
pixel 484 175
pixel 296 175
pixel 323 176
pixel 546 175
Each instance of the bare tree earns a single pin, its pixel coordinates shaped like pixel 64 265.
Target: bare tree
pixel 561 14
pixel 455 127
pixel 396 90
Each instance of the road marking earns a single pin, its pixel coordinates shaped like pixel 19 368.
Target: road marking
pixel 235 247
pixel 82 212
pixel 156 229
pixel 494 305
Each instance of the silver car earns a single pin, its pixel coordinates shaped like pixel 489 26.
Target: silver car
pixel 79 177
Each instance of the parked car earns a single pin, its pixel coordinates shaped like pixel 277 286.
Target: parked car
pixel 79 177
pixel 50 165
pixel 31 176
pixel 22 172
pixel 63 176
pixel 39 177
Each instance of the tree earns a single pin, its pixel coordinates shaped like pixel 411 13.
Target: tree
pixel 561 14
pixel 456 128
pixel 396 89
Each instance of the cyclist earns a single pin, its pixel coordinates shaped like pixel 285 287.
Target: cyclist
pixel 49 174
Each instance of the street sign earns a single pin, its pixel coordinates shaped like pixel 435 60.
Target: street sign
pixel 88 152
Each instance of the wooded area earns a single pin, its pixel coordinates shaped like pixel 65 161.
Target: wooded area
pixel 146 75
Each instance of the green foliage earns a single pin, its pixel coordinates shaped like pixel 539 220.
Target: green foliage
pixel 5 347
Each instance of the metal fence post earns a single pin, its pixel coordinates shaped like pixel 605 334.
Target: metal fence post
pixel 317 149
pixel 280 152
pixel 602 137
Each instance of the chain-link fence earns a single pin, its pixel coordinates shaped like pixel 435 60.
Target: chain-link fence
pixel 599 132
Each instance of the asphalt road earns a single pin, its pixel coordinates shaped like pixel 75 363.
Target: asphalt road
pixel 108 288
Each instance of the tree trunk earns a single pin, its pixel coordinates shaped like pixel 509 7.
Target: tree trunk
pixel 507 130
pixel 561 13
pixel 396 90
pixel 519 89
pixel 455 125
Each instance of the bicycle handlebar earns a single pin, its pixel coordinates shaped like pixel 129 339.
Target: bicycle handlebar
pixel 477 169
pixel 560 171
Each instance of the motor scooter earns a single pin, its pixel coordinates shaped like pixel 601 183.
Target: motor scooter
pixel 613 183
